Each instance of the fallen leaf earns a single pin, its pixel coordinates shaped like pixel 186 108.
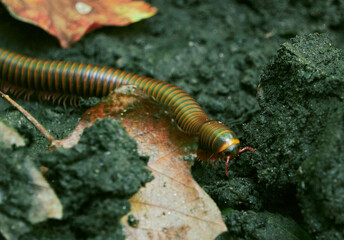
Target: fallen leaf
pixel 46 204
pixel 173 205
pixel 9 137
pixel 25 195
pixel 69 20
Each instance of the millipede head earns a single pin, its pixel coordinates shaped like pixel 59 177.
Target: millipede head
pixel 228 154
pixel 231 150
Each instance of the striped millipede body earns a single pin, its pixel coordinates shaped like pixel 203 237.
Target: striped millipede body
pixel 58 80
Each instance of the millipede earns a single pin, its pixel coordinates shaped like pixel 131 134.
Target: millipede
pixel 59 80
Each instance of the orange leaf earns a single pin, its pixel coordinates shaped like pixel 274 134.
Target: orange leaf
pixel 173 205
pixel 69 20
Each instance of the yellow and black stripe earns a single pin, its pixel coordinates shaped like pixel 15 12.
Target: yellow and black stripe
pixel 60 78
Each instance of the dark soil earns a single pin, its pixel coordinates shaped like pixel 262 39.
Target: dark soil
pixel 258 66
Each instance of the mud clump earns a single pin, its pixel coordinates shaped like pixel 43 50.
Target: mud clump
pixel 299 133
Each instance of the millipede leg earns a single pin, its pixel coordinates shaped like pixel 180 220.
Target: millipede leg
pixel 246 148
pixel 226 167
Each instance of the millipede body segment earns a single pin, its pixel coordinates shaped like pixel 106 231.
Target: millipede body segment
pixel 58 80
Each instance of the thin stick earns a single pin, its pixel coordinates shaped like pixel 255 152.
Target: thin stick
pixel 29 117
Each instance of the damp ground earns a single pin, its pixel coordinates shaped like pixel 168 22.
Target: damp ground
pixel 283 97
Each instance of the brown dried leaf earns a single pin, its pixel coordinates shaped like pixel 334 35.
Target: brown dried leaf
pixel 173 205
pixel 45 203
pixel 9 137
pixel 69 20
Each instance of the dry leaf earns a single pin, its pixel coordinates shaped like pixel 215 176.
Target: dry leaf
pixel 173 205
pixel 45 204
pixel 9 137
pixel 69 20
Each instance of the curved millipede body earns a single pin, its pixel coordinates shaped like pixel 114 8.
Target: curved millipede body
pixel 60 80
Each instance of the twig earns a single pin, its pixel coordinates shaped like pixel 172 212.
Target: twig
pixel 29 117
